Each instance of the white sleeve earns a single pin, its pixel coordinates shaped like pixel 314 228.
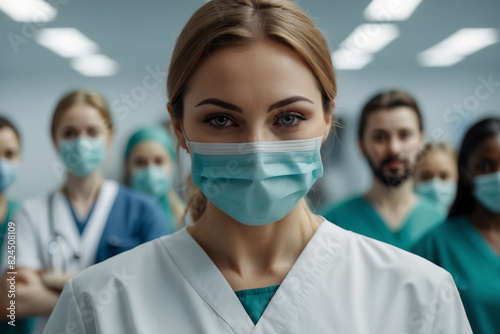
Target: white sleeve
pixel 67 316
pixel 449 313
pixel 28 243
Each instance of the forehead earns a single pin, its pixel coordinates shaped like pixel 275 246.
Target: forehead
pixel 149 148
pixel 392 119
pixel 8 137
pixel 81 114
pixel 438 159
pixel 258 72
pixel 488 147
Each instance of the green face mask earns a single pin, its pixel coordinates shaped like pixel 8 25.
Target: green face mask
pixel 152 180
pixel 83 155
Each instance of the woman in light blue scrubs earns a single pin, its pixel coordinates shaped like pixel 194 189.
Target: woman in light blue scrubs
pixel 151 168
pixel 88 219
pixel 10 149
pixel 468 243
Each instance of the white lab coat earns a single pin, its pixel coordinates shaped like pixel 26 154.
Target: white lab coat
pixel 33 235
pixel 341 283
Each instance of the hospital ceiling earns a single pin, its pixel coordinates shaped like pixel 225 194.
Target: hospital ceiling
pixel 138 34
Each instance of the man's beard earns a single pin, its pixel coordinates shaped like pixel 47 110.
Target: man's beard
pixel 391 178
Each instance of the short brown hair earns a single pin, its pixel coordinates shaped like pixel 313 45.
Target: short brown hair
pixel 6 123
pixel 388 100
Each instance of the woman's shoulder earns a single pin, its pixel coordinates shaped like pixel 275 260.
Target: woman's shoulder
pixel 384 260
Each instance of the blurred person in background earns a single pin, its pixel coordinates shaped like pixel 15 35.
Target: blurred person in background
pixel 10 150
pixel 88 220
pixel 467 244
pixel 436 174
pixel 150 167
pixel 390 136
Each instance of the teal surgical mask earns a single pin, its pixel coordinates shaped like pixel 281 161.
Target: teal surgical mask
pixel 8 174
pixel 256 183
pixel 487 191
pixel 83 155
pixel 438 191
pixel 152 180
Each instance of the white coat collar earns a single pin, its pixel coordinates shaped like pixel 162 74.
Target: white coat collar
pixel 305 279
pixel 86 244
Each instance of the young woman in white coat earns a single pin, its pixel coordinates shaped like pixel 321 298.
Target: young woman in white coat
pixel 252 90
pixel 88 220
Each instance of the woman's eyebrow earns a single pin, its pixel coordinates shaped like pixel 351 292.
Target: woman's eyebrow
pixel 230 106
pixel 287 101
pixel 220 103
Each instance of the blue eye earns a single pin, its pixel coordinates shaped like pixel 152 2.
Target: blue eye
pixel 219 121
pixel 288 119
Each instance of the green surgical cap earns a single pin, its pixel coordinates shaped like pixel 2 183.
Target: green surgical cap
pixel 151 133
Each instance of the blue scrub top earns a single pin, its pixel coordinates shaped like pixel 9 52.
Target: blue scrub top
pixel 359 215
pixel 134 219
pixel 458 246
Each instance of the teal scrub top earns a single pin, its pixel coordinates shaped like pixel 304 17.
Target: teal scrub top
pixel 23 326
pixel 458 247
pixel 359 215
pixel 255 301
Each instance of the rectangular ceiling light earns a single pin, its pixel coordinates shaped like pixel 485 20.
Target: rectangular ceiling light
pixel 459 45
pixel 66 42
pixel 371 37
pixel 345 60
pixel 390 10
pixel 28 10
pixel 95 66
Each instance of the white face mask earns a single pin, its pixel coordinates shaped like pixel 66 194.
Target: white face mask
pixel 438 191
pixel 487 191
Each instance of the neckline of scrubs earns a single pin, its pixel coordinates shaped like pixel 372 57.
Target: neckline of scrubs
pixel 382 223
pixel 294 294
pixel 470 231
pixel 80 224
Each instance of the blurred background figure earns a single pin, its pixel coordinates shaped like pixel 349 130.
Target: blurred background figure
pixel 468 244
pixel 10 158
pixel 150 162
pixel 390 136
pixel 88 220
pixel 436 174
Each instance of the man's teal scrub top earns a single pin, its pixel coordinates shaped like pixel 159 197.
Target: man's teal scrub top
pixel 360 216
pixel 458 247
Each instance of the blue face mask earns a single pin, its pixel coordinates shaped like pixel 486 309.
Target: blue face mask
pixel 487 191
pixel 256 183
pixel 438 191
pixel 83 155
pixel 8 174
pixel 152 180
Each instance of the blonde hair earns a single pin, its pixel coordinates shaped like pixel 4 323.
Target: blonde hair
pixel 436 146
pixel 223 24
pixel 81 96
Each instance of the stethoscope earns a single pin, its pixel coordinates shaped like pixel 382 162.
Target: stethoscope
pixel 55 245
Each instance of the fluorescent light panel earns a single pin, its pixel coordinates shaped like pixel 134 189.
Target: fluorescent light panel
pixel 346 60
pixel 66 42
pixel 390 10
pixel 95 66
pixel 28 10
pixel 456 47
pixel 371 37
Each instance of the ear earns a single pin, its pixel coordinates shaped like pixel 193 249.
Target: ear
pixel 328 126
pixel 177 126
pixel 361 147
